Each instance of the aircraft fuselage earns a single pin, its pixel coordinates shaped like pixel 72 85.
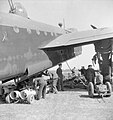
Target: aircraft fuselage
pixel 20 42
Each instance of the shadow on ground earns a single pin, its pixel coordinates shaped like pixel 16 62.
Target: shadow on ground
pixel 75 87
pixel 87 96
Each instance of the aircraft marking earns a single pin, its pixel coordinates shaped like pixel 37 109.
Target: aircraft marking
pixel 16 29
pixel 38 32
pixel 29 30
pixel 28 55
pixel 4 36
pixel 52 33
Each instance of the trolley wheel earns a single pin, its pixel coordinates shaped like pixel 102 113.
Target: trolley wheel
pixel 109 88
pixel 30 99
pixel 91 89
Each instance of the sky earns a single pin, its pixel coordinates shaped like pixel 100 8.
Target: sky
pixel 78 14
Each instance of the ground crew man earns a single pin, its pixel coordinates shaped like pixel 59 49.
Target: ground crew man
pixel 55 80
pixel 60 78
pixel 40 82
pixel 90 74
pixel 83 70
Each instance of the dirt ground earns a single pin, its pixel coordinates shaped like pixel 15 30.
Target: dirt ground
pixel 66 105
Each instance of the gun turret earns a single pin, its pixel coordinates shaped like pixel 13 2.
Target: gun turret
pixel 17 9
pixel 12 9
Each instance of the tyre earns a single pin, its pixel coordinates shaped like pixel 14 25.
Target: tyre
pixel 109 88
pixel 91 89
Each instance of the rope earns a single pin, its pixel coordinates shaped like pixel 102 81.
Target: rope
pixel 68 66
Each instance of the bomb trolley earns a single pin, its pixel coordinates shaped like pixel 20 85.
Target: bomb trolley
pixel 99 89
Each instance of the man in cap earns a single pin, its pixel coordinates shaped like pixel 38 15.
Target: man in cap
pixel 60 78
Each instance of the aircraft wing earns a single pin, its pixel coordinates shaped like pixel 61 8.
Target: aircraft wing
pixel 81 38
